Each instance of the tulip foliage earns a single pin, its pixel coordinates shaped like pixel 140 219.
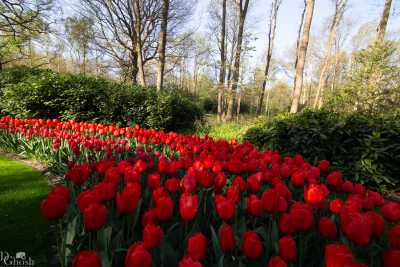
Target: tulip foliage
pixel 138 197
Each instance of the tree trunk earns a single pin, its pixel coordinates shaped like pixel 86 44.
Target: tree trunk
pixel 384 21
pixel 136 10
pixel 271 37
pixel 238 52
pixel 162 44
pixel 302 53
pixel 299 36
pixel 84 61
pixel 133 67
pixel 239 101
pixel 339 10
pixel 221 81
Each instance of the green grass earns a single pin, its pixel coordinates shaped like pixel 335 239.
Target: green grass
pixel 22 228
pixel 228 130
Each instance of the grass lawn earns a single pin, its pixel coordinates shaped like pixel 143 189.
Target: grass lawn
pixel 21 226
pixel 228 130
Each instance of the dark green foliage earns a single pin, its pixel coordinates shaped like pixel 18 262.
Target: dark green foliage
pixel 46 94
pixel 210 105
pixel 366 148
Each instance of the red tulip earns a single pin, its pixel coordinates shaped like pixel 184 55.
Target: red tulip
pixel 94 217
pixel 54 206
pixel 131 175
pixel 154 180
pixel 188 205
pixel 324 165
pixel 251 245
pixel 112 176
pixel 357 229
pixel 62 191
pixel 391 258
pixel 377 223
pixel 197 246
pixel 172 185
pixel 226 208
pixel 152 235
pixel 149 216
pixel 273 202
pixel 220 181
pixel 164 208
pixel 335 206
pixel 254 183
pixel 301 217
pixel 285 224
pixel 188 262
pixel 127 200
pixel 315 195
pixel 79 174
pixel 391 211
pixel 254 206
pixel 276 261
pixel 394 237
pixel 337 255
pixel 287 249
pixel 86 258
pixel 327 228
pixel 138 256
pixel 226 238
pixel 104 191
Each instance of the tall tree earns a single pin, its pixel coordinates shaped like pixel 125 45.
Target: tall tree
pixel 384 21
pixel 301 55
pixel 242 6
pixel 271 38
pixel 80 33
pixel 20 22
pixel 139 46
pixel 162 44
pixel 340 6
pixel 18 17
pixel 222 70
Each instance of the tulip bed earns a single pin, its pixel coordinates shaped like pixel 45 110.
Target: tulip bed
pixel 138 197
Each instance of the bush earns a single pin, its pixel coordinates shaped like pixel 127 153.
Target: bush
pixel 366 148
pixel 42 93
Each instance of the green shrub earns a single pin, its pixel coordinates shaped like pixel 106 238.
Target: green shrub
pixel 364 147
pixel 42 93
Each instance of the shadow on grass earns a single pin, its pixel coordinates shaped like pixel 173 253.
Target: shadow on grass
pixel 22 228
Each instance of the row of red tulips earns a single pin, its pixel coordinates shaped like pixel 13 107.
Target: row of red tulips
pixel 136 197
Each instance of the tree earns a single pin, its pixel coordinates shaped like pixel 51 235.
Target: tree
pixel 162 44
pixel 139 46
pixel 373 85
pixel 340 7
pixel 384 21
pixel 20 22
pixel 271 38
pixel 301 55
pixel 222 71
pixel 19 17
pixel 80 34
pixel 242 6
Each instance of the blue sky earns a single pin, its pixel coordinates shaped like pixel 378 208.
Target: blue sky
pixel 359 12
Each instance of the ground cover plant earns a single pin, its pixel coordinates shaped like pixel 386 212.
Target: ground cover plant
pixel 140 197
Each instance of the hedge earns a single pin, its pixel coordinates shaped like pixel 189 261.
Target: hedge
pixel 364 147
pixel 35 93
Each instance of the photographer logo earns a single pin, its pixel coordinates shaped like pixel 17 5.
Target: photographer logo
pixel 20 259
